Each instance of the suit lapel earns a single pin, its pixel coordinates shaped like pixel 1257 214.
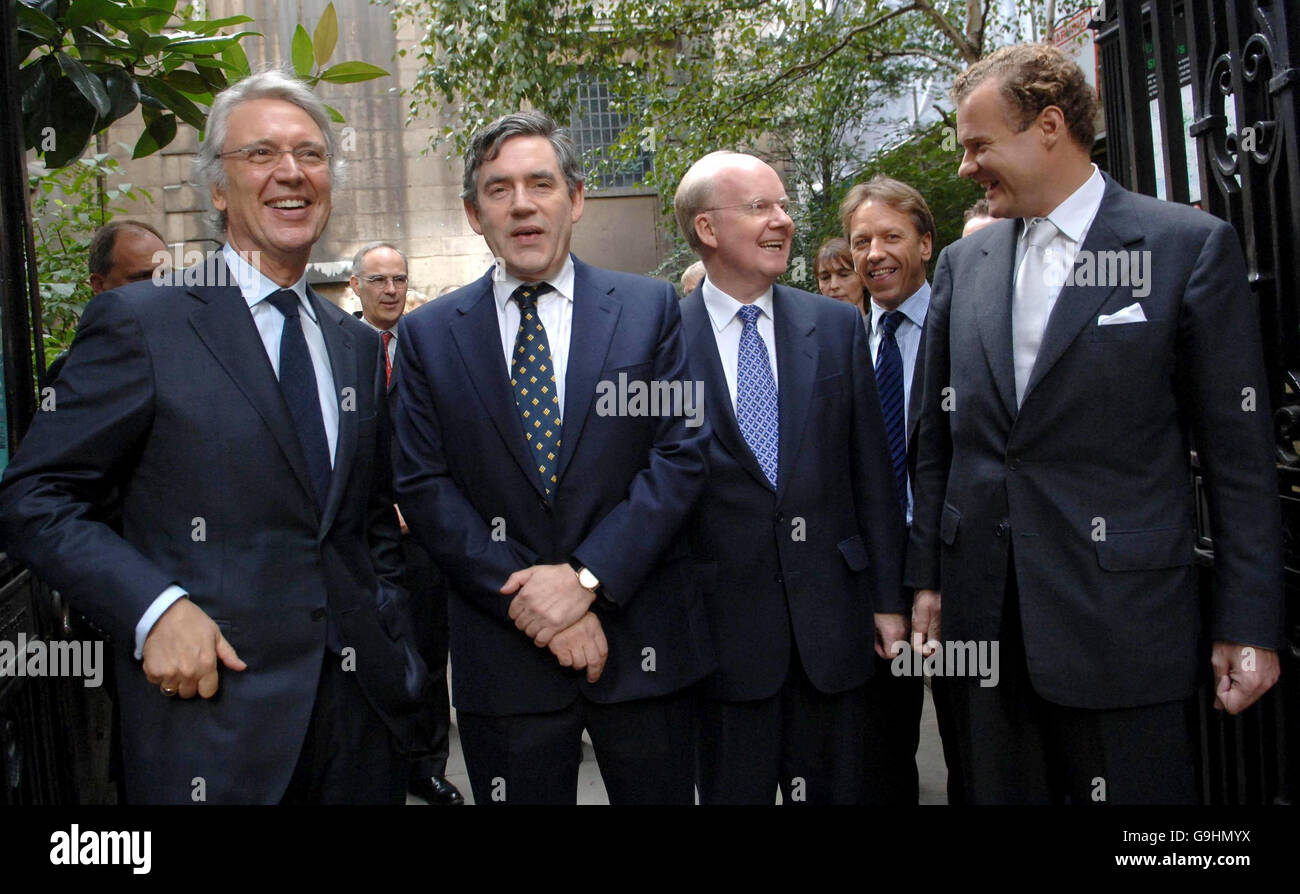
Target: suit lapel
pixel 992 289
pixel 478 339
pixel 343 366
pixel 706 363
pixel 224 324
pixel 595 317
pixel 1112 230
pixel 796 361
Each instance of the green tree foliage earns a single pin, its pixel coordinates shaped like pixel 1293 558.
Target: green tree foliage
pixel 66 211
pixel 88 63
pixel 794 80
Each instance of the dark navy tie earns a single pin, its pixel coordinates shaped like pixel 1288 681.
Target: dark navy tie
pixel 298 385
pixel 532 376
pixel 889 382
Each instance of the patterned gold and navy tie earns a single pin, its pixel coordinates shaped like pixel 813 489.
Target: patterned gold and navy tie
pixel 532 374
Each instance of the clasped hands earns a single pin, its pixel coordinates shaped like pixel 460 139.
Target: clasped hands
pixel 553 610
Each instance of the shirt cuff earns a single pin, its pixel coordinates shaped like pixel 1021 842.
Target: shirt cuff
pixel 151 616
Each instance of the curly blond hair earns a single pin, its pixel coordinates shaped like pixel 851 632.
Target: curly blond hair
pixel 1032 77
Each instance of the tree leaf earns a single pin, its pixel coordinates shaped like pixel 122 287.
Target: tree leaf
pixel 37 21
pixel 215 25
pixel 123 91
pixel 157 22
pixel 302 52
pixel 86 82
pixel 235 57
pixel 335 115
pixel 158 132
pixel 73 120
pixel 352 72
pixel 186 81
pixel 83 12
pixel 326 35
pixel 173 99
pixel 207 46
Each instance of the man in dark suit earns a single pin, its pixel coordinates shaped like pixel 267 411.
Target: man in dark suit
pixel 554 509
pixel 241 419
pixel 379 279
pixel 890 232
pixel 1076 351
pixel 802 515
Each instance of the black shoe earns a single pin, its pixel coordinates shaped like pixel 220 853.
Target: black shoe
pixel 435 790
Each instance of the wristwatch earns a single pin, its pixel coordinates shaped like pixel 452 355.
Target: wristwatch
pixel 586 579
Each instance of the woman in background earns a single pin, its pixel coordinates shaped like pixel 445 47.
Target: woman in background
pixel 836 277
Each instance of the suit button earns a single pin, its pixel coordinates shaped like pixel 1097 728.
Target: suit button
pixel 780 519
pixel 778 578
pixel 1001 529
pixel 1014 463
pixel 546 507
pixel 318 614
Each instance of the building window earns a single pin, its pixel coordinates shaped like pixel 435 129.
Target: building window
pixel 595 127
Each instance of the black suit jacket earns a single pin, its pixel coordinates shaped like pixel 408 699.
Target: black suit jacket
pixel 626 484
pixel 169 397
pixel 1090 480
pixel 814 559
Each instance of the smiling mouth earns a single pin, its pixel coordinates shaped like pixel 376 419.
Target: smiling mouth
pixel 288 204
pixel 773 245
pixel 882 273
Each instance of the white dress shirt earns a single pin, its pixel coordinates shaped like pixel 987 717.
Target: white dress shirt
pixel 255 288
pixel 1072 218
pixel 908 336
pixel 722 309
pixel 556 311
pixel 392 342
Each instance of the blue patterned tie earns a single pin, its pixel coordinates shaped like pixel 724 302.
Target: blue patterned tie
pixel 532 375
pixel 889 382
pixel 298 385
pixel 756 407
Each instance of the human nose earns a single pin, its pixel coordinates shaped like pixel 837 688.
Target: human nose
pixel 967 167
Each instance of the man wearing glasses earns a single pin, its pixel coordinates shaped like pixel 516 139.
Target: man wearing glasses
pixel 801 515
pixel 242 419
pixel 379 279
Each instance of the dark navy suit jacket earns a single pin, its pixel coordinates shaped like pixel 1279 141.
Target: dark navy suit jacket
pixel 1089 482
pixel 815 558
pixel 626 484
pixel 169 397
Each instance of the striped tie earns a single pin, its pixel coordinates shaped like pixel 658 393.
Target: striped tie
pixel 889 382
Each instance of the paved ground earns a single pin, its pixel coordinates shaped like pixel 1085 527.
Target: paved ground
pixel 591 790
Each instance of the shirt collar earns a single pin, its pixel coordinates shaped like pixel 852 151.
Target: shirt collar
pixel 913 309
pixel 363 319
pixel 722 307
pixel 562 282
pixel 255 287
pixel 1074 216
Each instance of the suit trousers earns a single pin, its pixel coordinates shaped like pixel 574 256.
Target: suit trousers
pixel 643 749
pixel 805 742
pixel 1018 748
pixel 892 734
pixel 348 756
pixel 431 741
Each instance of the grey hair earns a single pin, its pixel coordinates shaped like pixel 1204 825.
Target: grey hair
pixel 367 249
pixel 485 145
pixel 274 83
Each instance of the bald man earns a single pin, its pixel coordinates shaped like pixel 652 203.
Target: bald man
pixel 801 516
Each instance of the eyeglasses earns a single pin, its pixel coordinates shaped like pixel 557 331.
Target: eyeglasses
pixel 376 279
pixel 760 207
pixel 305 156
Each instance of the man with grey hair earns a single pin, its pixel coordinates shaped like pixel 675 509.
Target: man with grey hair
pixel 553 510
pixel 379 278
pixel 246 430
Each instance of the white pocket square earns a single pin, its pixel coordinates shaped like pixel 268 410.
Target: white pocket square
pixel 1131 314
